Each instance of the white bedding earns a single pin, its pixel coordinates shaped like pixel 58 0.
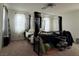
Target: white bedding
pixel 31 37
pixel 28 33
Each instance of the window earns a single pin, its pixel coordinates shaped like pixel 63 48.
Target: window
pixel 47 24
pixel 20 21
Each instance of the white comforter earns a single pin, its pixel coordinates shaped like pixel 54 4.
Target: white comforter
pixel 30 38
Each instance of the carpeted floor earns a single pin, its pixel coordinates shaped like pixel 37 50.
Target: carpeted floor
pixel 73 51
pixel 18 48
pixel 23 48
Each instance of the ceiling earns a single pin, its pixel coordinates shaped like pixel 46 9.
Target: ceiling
pixel 60 8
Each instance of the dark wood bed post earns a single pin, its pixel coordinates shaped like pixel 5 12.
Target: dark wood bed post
pixel 60 24
pixel 37 18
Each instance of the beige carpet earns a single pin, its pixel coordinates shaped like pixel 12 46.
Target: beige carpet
pixel 18 48
pixel 23 48
pixel 73 51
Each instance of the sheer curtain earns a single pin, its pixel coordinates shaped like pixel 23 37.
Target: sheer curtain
pixel 5 22
pixel 19 26
pixel 47 23
pixel 20 21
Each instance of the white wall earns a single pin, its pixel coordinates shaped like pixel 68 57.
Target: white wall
pixel 70 22
pixel 1 24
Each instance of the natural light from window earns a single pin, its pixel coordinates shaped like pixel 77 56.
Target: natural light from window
pixel 20 23
pixel 47 24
